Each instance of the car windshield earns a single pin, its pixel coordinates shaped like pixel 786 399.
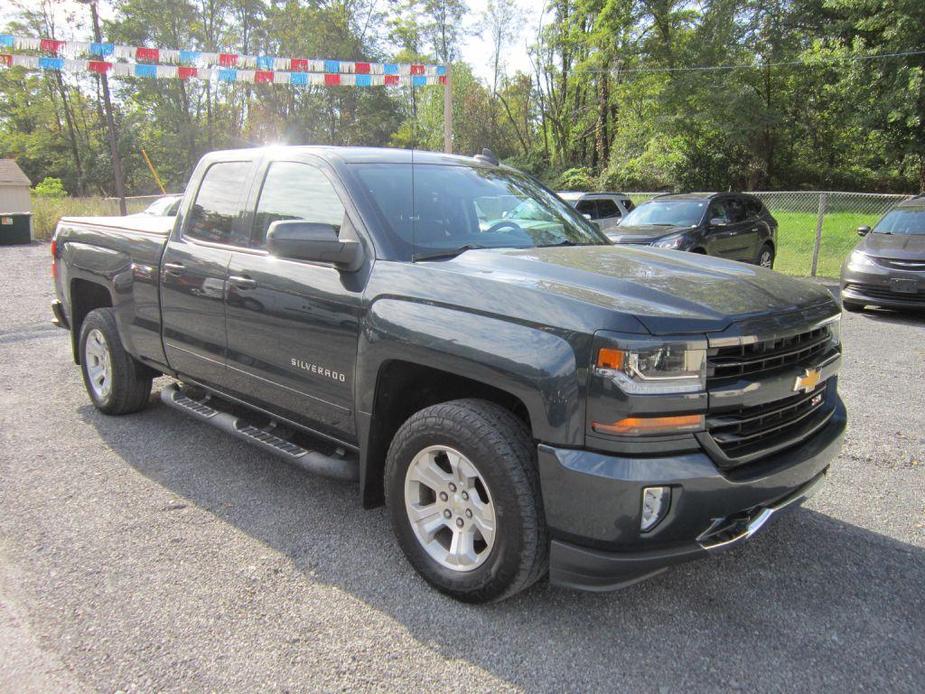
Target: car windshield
pixel 681 213
pixel 909 221
pixel 461 207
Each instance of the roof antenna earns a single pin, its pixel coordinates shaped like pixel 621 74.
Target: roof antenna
pixel 414 126
pixel 487 157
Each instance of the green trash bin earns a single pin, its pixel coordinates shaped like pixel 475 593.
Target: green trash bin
pixel 15 228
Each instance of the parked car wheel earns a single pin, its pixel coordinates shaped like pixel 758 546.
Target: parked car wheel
pixel 766 256
pixel 852 307
pixel 116 383
pixel 464 498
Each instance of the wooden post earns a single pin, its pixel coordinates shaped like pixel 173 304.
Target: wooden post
pixel 448 114
pixel 820 216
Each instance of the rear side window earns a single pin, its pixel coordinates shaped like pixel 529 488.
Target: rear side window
pixel 607 208
pixel 296 191
pixel 219 205
pixel 628 204
pixel 753 206
pixel 587 207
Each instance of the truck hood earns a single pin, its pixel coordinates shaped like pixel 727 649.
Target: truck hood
pixel 900 246
pixel 643 233
pixel 668 291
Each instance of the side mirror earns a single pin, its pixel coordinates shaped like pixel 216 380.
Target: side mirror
pixel 298 240
pixel 863 230
pixel 717 222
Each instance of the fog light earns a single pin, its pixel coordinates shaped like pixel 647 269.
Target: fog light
pixel 655 503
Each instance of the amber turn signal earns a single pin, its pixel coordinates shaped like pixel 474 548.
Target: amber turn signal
pixel 636 426
pixel 610 358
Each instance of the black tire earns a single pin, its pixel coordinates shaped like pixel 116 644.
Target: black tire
pixel 852 307
pixel 500 446
pixel 699 251
pixel 765 249
pixel 130 386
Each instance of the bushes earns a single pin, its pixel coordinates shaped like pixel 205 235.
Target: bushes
pixel 50 187
pixel 580 178
pixel 46 211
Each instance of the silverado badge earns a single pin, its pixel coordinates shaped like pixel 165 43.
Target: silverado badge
pixel 807 381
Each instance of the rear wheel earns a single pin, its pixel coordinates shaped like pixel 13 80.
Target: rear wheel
pixel 116 383
pixel 464 500
pixel 766 256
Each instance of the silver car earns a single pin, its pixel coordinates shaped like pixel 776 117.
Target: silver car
pixel 604 209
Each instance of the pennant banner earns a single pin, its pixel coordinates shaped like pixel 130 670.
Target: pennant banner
pixel 226 74
pixel 201 59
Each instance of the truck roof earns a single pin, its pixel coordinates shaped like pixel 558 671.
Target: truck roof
pixel 368 155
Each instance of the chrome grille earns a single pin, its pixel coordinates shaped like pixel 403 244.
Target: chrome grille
pixel 901 263
pixel 741 434
pixel 760 358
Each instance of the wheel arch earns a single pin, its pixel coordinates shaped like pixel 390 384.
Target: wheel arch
pixel 85 296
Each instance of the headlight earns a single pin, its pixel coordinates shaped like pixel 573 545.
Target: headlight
pixel 835 331
pixel 669 242
pixel 861 259
pixel 653 368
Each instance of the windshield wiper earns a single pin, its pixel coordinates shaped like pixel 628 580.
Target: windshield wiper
pixel 445 252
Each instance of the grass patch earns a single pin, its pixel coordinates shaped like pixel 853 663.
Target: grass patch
pixel 796 235
pixel 47 211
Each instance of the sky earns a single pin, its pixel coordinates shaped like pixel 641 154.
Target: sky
pixel 476 49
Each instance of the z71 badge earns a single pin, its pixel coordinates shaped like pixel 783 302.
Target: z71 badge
pixel 318 370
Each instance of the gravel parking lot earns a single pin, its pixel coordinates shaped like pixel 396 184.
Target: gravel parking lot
pixel 151 552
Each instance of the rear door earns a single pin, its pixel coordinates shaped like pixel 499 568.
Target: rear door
pixel 608 214
pixel 724 226
pixel 293 326
pixel 194 270
pixel 746 225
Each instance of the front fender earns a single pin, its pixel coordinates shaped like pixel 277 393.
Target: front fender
pixel 537 366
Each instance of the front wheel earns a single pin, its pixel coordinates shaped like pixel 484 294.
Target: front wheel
pixel 464 499
pixel 766 257
pixel 116 383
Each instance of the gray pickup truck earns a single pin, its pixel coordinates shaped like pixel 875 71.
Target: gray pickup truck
pixel 527 398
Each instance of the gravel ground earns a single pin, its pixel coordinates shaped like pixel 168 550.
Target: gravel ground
pixel 151 552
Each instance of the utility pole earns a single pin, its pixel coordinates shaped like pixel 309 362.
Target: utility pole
pixel 448 114
pixel 110 121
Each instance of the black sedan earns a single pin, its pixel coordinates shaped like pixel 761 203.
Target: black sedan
pixel 887 268
pixel 727 225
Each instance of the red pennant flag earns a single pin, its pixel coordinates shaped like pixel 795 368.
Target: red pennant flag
pixel 184 73
pixel 6 59
pixel 147 55
pixel 227 59
pixel 331 79
pixel 417 69
pixel 50 45
pixel 361 68
pixel 391 80
pixel 442 79
pixel 263 76
pixel 100 66
pixel 298 64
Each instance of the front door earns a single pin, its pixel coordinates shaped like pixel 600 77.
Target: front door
pixel 193 273
pixel 721 230
pixel 293 326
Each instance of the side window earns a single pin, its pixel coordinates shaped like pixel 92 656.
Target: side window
pixel 718 211
pixel 587 207
pixel 219 204
pixel 608 208
pixel 296 191
pixel 753 208
pixel 735 210
pixel 628 205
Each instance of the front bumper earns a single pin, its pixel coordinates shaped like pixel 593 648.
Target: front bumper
pixel 872 285
pixel 593 506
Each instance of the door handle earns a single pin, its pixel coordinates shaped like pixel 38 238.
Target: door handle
pixel 174 268
pixel 242 281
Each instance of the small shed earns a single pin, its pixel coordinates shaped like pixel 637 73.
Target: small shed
pixel 15 204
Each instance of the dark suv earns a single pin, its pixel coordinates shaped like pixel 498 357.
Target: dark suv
pixel 887 268
pixel 728 225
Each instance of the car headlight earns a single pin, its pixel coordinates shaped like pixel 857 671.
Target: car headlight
pixel 669 242
pixel 653 368
pixel 861 259
pixel 835 331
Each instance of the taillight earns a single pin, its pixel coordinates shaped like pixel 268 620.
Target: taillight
pixel 54 258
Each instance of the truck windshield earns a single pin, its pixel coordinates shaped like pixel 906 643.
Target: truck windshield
pixel 676 213
pixel 909 222
pixel 456 208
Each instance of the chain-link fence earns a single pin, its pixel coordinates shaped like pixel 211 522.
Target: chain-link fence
pixel 816 229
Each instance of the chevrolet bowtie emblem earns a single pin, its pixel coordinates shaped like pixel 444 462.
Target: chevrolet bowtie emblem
pixel 807 381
